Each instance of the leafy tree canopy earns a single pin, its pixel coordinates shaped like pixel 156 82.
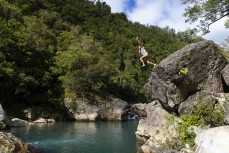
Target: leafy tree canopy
pixel 206 12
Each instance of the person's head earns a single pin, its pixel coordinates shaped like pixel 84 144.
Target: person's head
pixel 140 44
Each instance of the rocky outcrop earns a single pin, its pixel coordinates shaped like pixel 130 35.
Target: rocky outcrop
pixel 83 109
pixel 139 110
pixel 11 144
pixel 216 101
pixel 193 68
pixel 187 78
pixel 215 140
pixel 189 105
pixel 154 130
pixel 4 121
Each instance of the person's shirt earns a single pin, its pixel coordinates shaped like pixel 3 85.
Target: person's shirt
pixel 142 50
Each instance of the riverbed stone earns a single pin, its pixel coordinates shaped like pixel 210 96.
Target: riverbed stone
pixel 11 144
pixel 193 68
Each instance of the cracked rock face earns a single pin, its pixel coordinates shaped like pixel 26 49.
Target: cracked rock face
pixel 171 85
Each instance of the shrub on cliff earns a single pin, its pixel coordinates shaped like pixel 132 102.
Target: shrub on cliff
pixel 203 116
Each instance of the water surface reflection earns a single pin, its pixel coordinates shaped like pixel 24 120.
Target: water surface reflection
pixel 81 137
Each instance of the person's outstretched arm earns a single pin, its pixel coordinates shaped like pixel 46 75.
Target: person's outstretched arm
pixel 138 41
pixel 139 45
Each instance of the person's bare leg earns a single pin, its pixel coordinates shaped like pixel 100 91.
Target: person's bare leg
pixel 142 60
pixel 148 62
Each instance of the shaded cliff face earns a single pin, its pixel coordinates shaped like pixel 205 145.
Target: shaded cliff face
pixel 191 69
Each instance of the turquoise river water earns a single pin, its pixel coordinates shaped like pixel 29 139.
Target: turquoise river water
pixel 80 137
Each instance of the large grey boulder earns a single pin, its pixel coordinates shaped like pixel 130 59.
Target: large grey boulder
pixel 115 109
pixel 11 144
pixel 4 120
pixel 155 131
pixel 193 68
pixel 215 140
pixel 215 101
pixel 83 109
pixel 200 98
pixel 80 109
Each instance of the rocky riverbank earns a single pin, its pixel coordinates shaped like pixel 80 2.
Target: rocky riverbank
pixel 189 112
pixel 8 142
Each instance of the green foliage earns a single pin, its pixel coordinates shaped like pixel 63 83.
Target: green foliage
pixel 183 71
pixel 208 12
pixel 48 47
pixel 226 23
pixel 85 67
pixel 203 115
pixel 187 135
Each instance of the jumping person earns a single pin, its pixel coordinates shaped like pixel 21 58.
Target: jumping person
pixel 144 54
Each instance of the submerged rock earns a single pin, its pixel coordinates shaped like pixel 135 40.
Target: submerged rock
pixel 193 68
pixel 11 144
